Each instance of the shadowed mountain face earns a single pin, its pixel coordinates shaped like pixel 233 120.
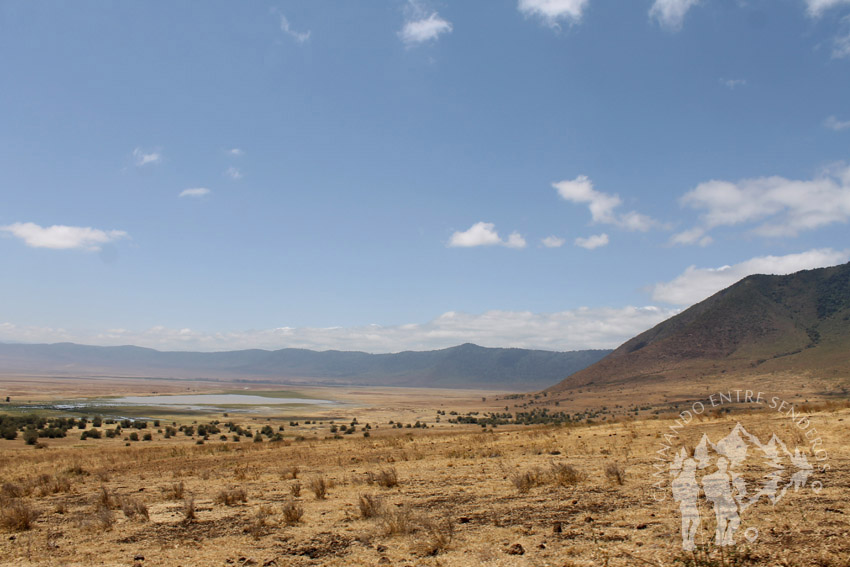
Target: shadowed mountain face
pixel 762 324
pixel 464 366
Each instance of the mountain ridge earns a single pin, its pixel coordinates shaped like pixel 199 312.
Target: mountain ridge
pixel 465 365
pixel 798 322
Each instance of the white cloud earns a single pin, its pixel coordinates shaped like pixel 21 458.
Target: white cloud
pixel 591 242
pixel 671 13
pixel 515 240
pixel 696 284
pixel 60 237
pixel 286 28
pixel 195 192
pixel 233 173
pixel 574 329
pixel 554 11
pixel 142 157
pixel 424 29
pixel 236 152
pixel 732 84
pixel 817 7
pixel 484 234
pixel 552 242
pixel 841 43
pixel 694 235
pixel 580 190
pixel 783 207
pixel 834 123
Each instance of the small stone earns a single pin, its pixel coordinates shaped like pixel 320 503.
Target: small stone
pixel 381 549
pixel 588 519
pixel 139 558
pixel 463 520
pixel 515 549
pixel 556 529
pixel 640 527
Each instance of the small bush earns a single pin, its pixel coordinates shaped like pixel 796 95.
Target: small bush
pixel 397 521
pixel 319 487
pixel 292 512
pixel 438 536
pixel 565 475
pixel 525 481
pixel 615 473
pixel 371 506
pixel 295 489
pixel 175 492
pixel 231 496
pixel 189 510
pixel 17 515
pixel 133 507
pixel 388 478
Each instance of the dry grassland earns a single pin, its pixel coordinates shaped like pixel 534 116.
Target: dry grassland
pixel 554 495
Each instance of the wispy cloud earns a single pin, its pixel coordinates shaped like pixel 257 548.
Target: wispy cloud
pixel 554 12
pixel 423 29
pixel 142 157
pixel 286 28
pixel 575 329
pixel 195 192
pixel 235 152
pixel 670 14
pixel 733 84
pixel 484 234
pixel 841 42
pixel 696 284
pixel 553 242
pixel 776 205
pixel 834 123
pixel 61 237
pixel 233 173
pixel 592 242
pixel 816 8
pixel 601 205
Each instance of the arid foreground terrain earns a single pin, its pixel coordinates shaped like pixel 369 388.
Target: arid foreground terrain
pixel 560 495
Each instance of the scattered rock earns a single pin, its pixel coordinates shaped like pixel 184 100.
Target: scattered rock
pixel 139 558
pixel 556 528
pixel 464 520
pixel 515 549
pixel 381 549
pixel 588 519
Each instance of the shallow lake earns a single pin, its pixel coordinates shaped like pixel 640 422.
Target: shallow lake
pixel 212 400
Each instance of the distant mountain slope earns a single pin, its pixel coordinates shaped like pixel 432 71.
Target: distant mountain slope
pixel 463 366
pixel 799 322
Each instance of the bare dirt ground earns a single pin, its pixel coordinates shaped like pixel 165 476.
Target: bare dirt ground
pixel 449 495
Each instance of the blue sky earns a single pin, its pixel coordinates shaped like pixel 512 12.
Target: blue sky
pixel 383 176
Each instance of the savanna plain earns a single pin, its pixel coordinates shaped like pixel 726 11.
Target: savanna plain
pixel 401 477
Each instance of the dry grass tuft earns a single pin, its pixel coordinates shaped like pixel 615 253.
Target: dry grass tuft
pixel 295 489
pixel 615 473
pixel 231 496
pixel 189 510
pixel 176 491
pixel 438 535
pixel 292 512
pixel 371 506
pixel 397 521
pixel 388 478
pixel 133 507
pixel 17 515
pixel 319 486
pixel 565 475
